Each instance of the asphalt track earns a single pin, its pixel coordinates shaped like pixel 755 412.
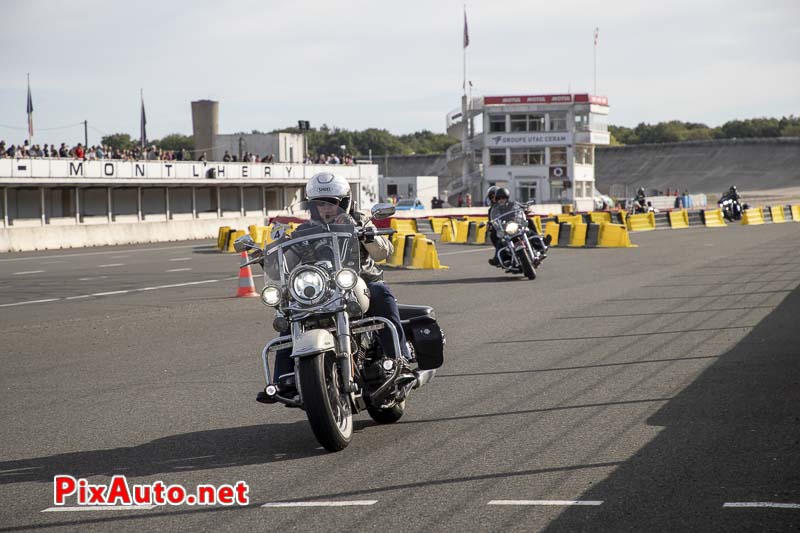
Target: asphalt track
pixel 662 381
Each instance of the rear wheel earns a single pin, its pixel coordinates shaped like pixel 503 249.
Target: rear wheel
pixel 527 263
pixel 388 415
pixel 327 406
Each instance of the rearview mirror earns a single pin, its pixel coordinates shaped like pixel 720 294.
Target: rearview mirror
pixel 242 244
pixel 380 211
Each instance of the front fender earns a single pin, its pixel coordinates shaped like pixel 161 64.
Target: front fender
pixel 313 342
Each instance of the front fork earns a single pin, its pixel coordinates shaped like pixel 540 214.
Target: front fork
pixel 344 357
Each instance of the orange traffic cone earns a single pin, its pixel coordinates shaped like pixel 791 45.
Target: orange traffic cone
pixel 247 289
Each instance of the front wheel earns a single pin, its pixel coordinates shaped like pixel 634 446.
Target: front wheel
pixel 527 263
pixel 388 415
pixel 327 406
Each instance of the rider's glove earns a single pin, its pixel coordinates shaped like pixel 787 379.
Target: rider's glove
pixel 369 234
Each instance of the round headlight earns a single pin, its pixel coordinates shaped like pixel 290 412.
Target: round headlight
pixel 512 228
pixel 308 285
pixel 346 278
pixel 271 296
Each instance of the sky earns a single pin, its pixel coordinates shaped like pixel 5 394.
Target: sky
pixel 391 65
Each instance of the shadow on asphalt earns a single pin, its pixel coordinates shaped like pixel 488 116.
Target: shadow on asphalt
pixel 248 445
pixel 732 435
pixel 460 281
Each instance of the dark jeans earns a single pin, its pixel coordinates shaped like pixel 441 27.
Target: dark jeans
pixel 382 303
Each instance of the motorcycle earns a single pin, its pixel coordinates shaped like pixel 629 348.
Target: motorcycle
pixel 312 280
pixel 517 254
pixel 731 208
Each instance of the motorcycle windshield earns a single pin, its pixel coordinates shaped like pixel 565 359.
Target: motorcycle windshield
pixel 326 239
pixel 502 215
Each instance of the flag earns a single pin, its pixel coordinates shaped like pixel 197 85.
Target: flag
pixel 596 34
pixel 466 30
pixel 143 127
pixel 29 109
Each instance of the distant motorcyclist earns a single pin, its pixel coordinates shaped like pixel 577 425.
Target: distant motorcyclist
pixel 325 189
pixel 640 202
pixel 501 200
pixel 490 196
pixel 731 194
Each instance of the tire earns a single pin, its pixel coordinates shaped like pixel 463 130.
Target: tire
pixel 527 264
pixel 390 415
pixel 327 408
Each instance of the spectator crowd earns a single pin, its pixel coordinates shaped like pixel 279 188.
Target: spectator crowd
pixel 151 153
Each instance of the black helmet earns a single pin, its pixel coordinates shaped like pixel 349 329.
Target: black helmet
pixel 490 192
pixel 733 188
pixel 502 192
pixel 640 192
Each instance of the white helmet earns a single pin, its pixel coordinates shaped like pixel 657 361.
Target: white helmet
pixel 329 185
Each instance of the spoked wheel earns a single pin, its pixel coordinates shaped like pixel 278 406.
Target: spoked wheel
pixel 388 415
pixel 527 263
pixel 327 405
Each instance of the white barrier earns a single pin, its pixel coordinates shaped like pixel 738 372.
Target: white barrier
pixel 170 170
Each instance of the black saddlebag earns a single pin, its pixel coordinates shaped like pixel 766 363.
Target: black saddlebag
pixel 428 340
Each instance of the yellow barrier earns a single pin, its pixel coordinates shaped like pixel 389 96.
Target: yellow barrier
pixel 399 244
pixel 578 235
pixel 461 231
pixel 679 219
pixel 570 219
pixel 796 213
pixel 614 236
pixel 222 236
pixel 257 232
pixel 438 224
pixel 600 217
pixel 777 214
pixel 233 236
pixel 448 233
pixel 481 233
pixel 714 218
pixel 424 256
pixel 551 228
pixel 753 216
pixel 537 221
pixel 641 222
pixel 404 225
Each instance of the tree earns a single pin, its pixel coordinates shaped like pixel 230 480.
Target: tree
pixel 120 141
pixel 176 142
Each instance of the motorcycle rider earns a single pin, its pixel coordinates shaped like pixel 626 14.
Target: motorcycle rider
pixel 732 194
pixel 501 199
pixel 640 202
pixel 326 188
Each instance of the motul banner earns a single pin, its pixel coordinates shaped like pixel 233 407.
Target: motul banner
pixel 545 99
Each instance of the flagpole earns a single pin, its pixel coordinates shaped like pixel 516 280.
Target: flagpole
pixel 29 113
pixel 464 122
pixel 141 107
pixel 595 68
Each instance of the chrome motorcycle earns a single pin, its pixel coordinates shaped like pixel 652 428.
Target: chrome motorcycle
pixel 517 253
pixel 731 208
pixel 312 280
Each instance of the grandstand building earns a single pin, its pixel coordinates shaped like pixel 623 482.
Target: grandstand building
pixel 539 146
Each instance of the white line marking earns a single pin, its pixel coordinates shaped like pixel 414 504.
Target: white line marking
pixel 181 259
pixel 140 250
pixel 482 249
pixel 178 269
pixel 187 459
pixel 109 265
pixel 91 278
pixel 321 504
pixel 27 272
pixel 545 502
pixel 142 289
pixel 763 504
pixel 31 302
pixel 99 508
pixel 109 293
